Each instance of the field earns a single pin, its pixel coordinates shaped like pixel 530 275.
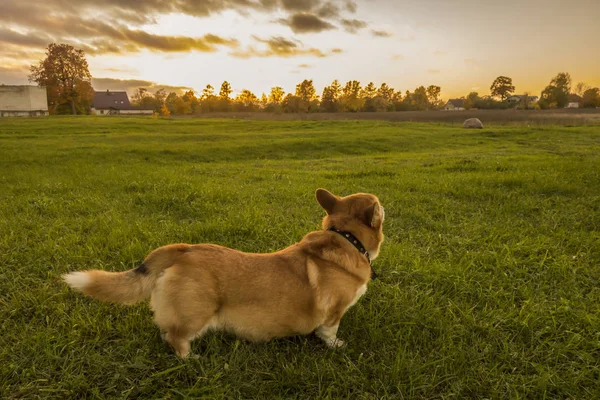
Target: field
pixel 497 117
pixel 489 276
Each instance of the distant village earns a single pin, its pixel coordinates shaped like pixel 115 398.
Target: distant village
pixel 28 100
pixel 31 100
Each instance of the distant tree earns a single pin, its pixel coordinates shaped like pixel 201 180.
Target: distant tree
pixel 556 94
pixel 330 97
pixel 406 102
pixel 351 89
pixel 369 91
pixel 489 103
pixel 547 98
pixel 306 91
pixel 294 104
pixel 225 91
pixel 378 104
pixel 276 95
pixel 209 92
pixel 336 87
pixel 181 107
pixel 159 99
pixel 502 87
pixel 65 74
pixel 562 81
pixel 581 88
pixel 419 99
pixel 591 98
pixel 350 97
pixel 208 102
pixel 190 98
pixel 246 101
pixel 386 93
pixel 369 95
pixel 164 111
pixel 433 96
pixel 170 102
pixel 396 102
pixel 471 100
pixel 264 101
pixel 142 98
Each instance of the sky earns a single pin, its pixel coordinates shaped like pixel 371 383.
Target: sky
pixel 460 45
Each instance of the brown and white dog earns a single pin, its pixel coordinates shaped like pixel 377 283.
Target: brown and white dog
pixel 303 288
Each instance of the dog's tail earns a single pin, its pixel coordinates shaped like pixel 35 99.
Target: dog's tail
pixel 127 287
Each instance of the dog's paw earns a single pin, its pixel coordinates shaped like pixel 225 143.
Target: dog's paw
pixel 335 343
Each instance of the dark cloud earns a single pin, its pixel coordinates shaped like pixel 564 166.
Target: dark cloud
pixel 96 37
pixel 306 23
pixel 379 33
pixel 278 46
pixel 206 43
pixel 353 25
pixel 131 85
pixel 137 8
pixel 140 12
pixel 8 36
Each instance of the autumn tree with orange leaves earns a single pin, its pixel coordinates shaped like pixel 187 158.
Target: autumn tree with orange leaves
pixel 65 74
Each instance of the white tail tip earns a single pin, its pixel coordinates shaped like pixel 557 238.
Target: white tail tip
pixel 77 280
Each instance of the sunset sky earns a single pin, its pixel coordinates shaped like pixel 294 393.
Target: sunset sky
pixel 460 45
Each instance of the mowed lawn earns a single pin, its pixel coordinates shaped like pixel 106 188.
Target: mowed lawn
pixel 489 277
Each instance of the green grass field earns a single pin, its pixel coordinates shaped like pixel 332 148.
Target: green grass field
pixel 489 276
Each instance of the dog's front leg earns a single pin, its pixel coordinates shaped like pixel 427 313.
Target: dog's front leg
pixel 328 335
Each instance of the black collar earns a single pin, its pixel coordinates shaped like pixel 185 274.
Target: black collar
pixel 359 246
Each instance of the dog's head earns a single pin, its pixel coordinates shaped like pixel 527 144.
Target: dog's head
pixel 360 213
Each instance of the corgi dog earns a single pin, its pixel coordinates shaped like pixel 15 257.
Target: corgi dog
pixel 301 289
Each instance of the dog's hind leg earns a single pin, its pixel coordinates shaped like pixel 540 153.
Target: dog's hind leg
pixel 180 312
pixel 180 337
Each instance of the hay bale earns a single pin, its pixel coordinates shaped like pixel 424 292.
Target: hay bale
pixel 473 123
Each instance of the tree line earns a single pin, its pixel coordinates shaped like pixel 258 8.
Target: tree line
pixel 64 72
pixel 350 97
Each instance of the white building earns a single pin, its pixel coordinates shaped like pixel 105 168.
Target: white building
pixel 574 101
pixel 455 105
pixel 116 103
pixel 23 101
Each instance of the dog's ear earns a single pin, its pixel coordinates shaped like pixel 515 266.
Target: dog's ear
pixel 373 216
pixel 327 200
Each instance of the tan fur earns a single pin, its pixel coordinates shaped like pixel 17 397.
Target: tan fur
pixel 304 288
